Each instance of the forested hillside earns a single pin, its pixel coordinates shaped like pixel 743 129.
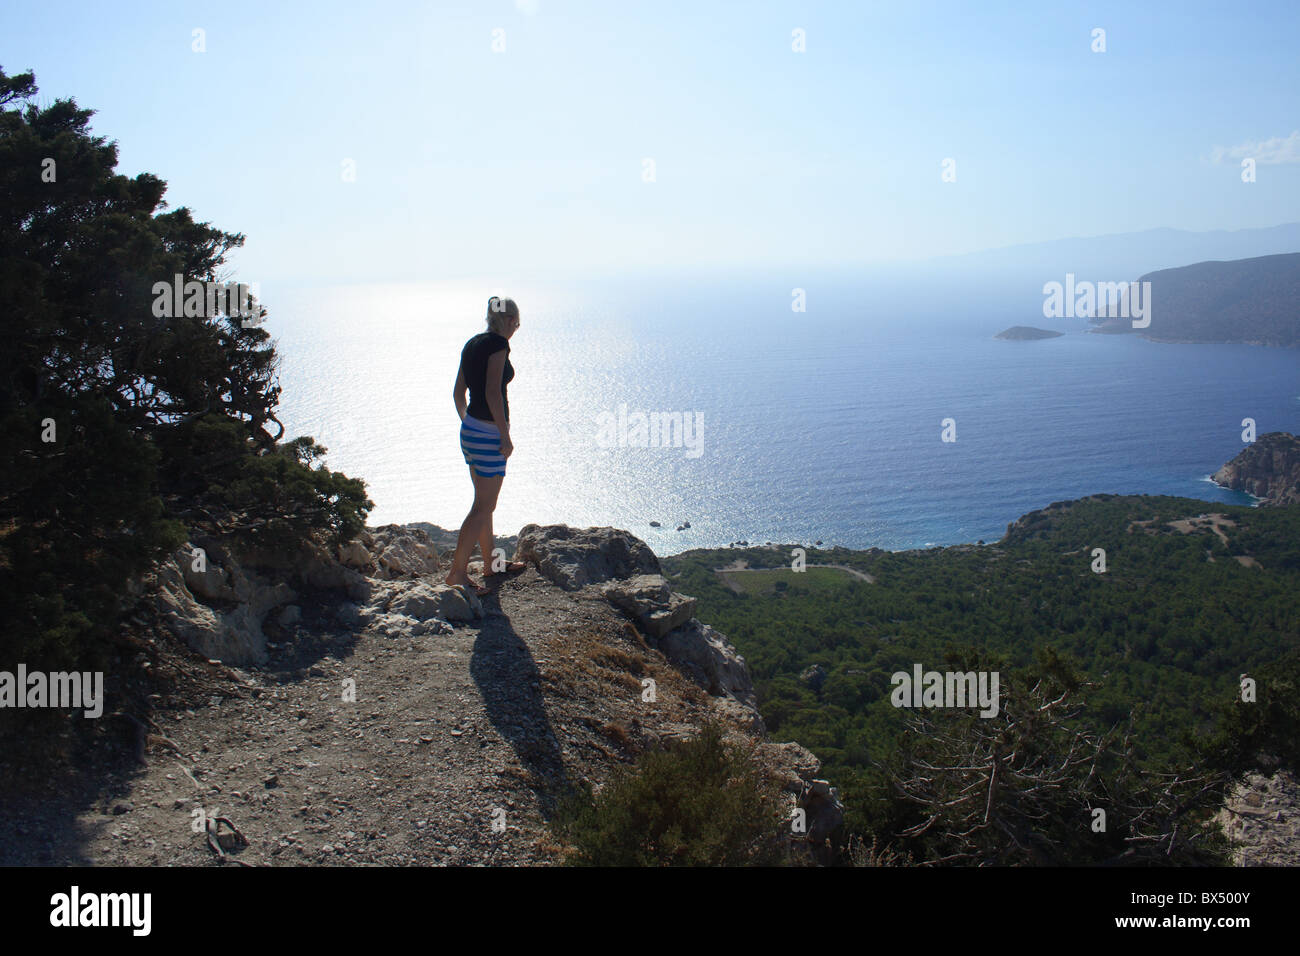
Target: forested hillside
pixel 1241 300
pixel 1181 611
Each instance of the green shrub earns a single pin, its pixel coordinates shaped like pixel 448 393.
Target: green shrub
pixel 1035 785
pixel 1268 727
pixel 700 802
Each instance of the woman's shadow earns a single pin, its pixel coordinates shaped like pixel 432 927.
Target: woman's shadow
pixel 507 677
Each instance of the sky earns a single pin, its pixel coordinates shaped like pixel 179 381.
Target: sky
pixel 542 138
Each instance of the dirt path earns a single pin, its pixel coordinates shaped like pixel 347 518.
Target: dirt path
pixel 853 571
pixel 448 735
pixel 741 564
pixel 1216 522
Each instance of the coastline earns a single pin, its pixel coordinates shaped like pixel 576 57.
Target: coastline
pixel 1254 499
pixel 831 547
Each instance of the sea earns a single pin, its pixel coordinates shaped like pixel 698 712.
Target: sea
pixel 855 408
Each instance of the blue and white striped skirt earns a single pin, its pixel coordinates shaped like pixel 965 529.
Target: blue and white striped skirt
pixel 480 442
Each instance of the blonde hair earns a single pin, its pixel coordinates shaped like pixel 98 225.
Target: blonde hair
pixel 499 313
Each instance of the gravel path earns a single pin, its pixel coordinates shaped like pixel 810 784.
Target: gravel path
pixel 454 752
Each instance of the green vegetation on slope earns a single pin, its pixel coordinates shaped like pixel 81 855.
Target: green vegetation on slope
pixel 697 802
pixel 1164 633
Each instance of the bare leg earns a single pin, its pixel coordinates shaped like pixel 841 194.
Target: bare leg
pixel 485 545
pixel 476 522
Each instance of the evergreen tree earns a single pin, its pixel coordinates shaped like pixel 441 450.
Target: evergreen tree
pixel 116 417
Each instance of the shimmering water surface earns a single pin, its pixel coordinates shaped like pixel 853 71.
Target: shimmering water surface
pixel 816 425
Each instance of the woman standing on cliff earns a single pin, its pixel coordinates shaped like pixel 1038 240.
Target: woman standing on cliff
pixel 485 370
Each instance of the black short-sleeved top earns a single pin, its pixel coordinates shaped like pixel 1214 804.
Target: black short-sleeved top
pixel 474 363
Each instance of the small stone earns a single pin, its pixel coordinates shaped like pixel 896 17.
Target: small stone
pixel 122 808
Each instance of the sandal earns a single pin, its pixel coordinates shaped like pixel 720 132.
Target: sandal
pixel 480 590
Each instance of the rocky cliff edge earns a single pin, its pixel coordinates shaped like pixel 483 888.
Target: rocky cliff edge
pixel 357 710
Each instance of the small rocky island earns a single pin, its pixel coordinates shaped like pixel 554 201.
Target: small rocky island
pixel 1026 333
